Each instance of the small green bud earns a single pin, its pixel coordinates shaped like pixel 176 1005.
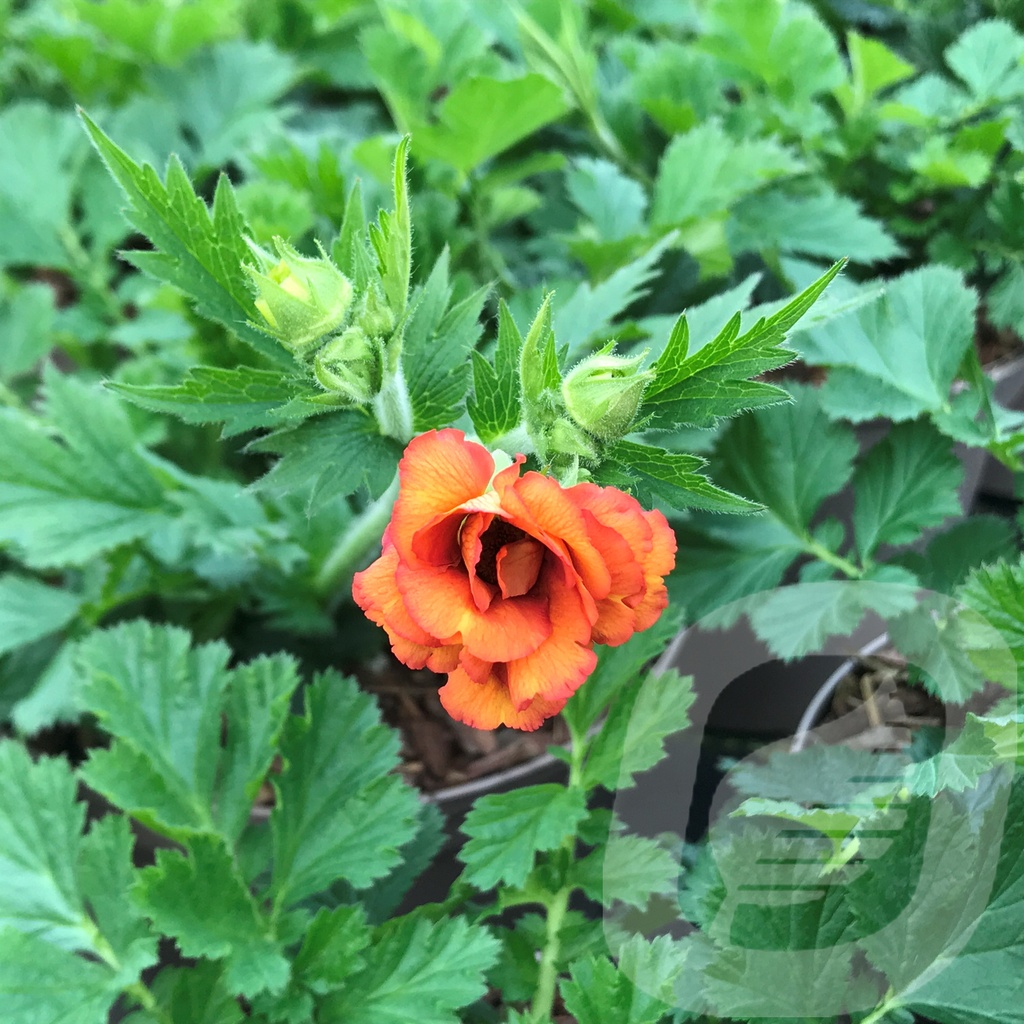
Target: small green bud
pixel 375 316
pixel 349 366
pixel 565 438
pixel 603 393
pixel 300 298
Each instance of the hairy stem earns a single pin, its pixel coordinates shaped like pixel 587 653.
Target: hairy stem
pixel 393 408
pixel 362 535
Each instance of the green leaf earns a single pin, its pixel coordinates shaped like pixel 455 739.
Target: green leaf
pixel 614 203
pixel 672 476
pixel 340 813
pixel 722 561
pixel 628 869
pixel 63 502
pixel 243 398
pixel 704 172
pixel 789 458
pixel 391 238
pixel 436 349
pixel 43 984
pixel 495 406
pixel 167 703
pixel 631 739
pixel 702 387
pixel 37 149
pixel 202 901
pixel 952 554
pixel 638 991
pixel 199 251
pixel 987 59
pixel 507 830
pixel 482 117
pixel 905 484
pixel 62 893
pixel 798 619
pixel 538 361
pixel 329 458
pixel 873 67
pixel 30 610
pixel 958 766
pixel 942 910
pixel 995 593
pixel 26 326
pixel 416 970
pixel 908 343
pixel 332 949
pixel 588 313
pixel 824 224
pixel 193 995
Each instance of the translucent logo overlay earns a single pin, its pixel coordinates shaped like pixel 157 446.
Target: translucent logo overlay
pixel 856 859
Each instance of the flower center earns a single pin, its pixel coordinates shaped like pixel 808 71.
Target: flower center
pixel 495 537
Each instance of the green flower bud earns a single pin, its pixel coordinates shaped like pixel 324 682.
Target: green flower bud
pixel 375 316
pixel 604 392
pixel 349 366
pixel 300 298
pixel 565 438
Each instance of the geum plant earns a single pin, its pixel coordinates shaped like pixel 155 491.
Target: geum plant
pixel 505 561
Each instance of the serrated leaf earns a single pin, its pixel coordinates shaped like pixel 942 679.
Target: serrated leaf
pixel 705 172
pixel 329 458
pixel 331 949
pixel 614 203
pixel 243 398
pixel 627 869
pixel 30 610
pixel 26 323
pixel 62 893
pixel 638 991
pixel 958 766
pixel 824 224
pixel 798 619
pixel 538 359
pixel 674 477
pixel 339 813
pixel 905 484
pixel 202 901
pixel 589 311
pixel 43 984
pixel 198 250
pixel 193 995
pixel 64 502
pixel 987 59
pixel 952 554
pixel 789 458
pixel 483 116
pixel 495 405
pixel 436 349
pixel 391 237
pixel 995 593
pixel 631 739
pixel 416 970
pixel 911 340
pixel 164 700
pixel 507 830
pixel 713 382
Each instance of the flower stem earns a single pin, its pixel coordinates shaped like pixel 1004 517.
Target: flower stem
pixel 352 546
pixel 544 997
pixel 393 408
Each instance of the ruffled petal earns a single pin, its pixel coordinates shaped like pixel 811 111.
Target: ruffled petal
pixel 441 603
pixel 439 472
pixel 518 566
pixel 487 705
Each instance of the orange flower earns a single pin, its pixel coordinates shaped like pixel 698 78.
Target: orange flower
pixel 505 582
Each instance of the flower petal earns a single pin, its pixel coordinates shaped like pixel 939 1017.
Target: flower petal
pixel 439 471
pixel 518 566
pixel 488 705
pixel 441 603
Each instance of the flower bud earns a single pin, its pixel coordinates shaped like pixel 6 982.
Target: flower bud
pixel 565 438
pixel 603 393
pixel 375 316
pixel 349 366
pixel 300 298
